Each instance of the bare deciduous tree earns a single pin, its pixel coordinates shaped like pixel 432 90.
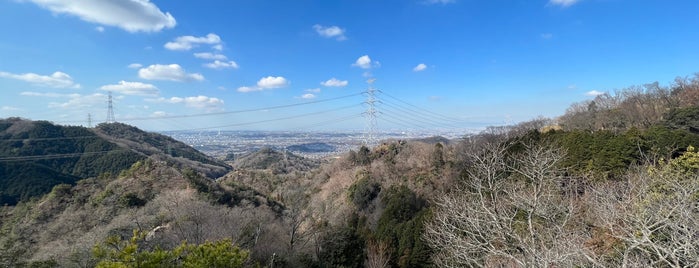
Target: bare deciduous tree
pixel 653 218
pixel 509 212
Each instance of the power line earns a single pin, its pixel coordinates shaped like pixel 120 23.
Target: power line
pixel 50 139
pixel 416 116
pixel 242 111
pixel 271 120
pixel 331 121
pixel 53 156
pixel 444 117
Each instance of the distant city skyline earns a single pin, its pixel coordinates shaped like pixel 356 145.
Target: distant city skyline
pixel 285 65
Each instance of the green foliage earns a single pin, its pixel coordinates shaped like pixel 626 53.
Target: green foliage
pixel 608 155
pixel 687 162
pixel 363 156
pixel 342 247
pixel 115 252
pixel 401 225
pixel 212 254
pixel 22 180
pixel 604 154
pixel 437 157
pixel 665 142
pixel 129 200
pixel 683 118
pixel 363 191
pixel 61 190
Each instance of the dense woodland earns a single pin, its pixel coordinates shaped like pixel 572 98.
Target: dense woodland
pixel 614 182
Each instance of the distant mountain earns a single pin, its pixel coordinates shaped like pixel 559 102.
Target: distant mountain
pixel 315 147
pixel 278 162
pixel 434 140
pixel 37 155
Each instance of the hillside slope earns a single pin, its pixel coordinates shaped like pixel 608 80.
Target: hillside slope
pixel 37 155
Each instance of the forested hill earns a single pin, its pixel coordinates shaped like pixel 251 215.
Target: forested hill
pixel 37 155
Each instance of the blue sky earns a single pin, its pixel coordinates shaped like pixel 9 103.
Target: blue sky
pixel 439 64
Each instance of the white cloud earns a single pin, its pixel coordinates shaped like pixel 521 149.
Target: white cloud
pixel 135 65
pixel 132 15
pixel 218 47
pixel 269 82
pixel 99 29
pixel 272 82
pixel 334 82
pixel 132 88
pixel 594 93
pixel 188 42
pixel 171 72
pixel 363 62
pixel 313 90
pixel 308 96
pixel 78 101
pixel 198 102
pixel 210 56
pixel 546 35
pixel 9 108
pixel 563 3
pixel 221 65
pixel 420 67
pixel 158 114
pixel 57 79
pixel 48 94
pixel 330 32
pixel 249 89
pixel 443 2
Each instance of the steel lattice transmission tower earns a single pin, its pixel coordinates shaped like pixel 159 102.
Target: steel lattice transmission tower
pixel 110 109
pixel 370 114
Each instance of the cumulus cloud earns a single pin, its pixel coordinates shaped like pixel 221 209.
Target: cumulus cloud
pixel 99 29
pixel 563 3
pixel 210 56
pixel 188 42
pixel 217 64
pixel 249 89
pixel 334 82
pixel 158 114
pixel 48 94
pixel 171 72
pixel 313 90
pixel 9 108
pixel 308 96
pixel 594 93
pixel 420 67
pixel 198 102
pixel 330 32
pixel 363 62
pixel 269 82
pixel 78 101
pixel 135 65
pixel 272 82
pixel 57 79
pixel 132 15
pixel 132 88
